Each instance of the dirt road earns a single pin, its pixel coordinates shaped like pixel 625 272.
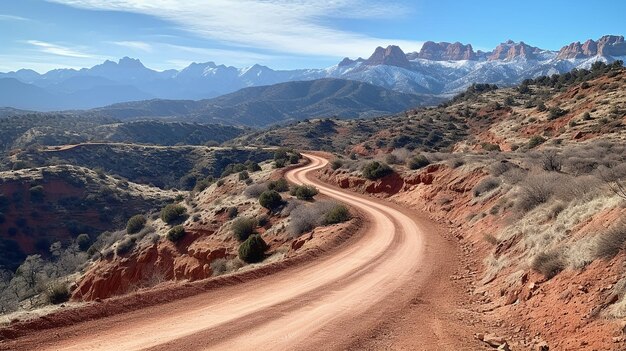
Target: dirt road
pixel 394 277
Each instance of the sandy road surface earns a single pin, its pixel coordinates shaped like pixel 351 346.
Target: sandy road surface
pixel 328 303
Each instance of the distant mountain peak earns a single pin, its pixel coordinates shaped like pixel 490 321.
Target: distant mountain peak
pixel 444 51
pixel 130 62
pixel 608 45
pixel 511 50
pixel 390 56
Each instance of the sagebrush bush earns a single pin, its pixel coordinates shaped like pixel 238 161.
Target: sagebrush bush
pixel 243 175
pixel 125 246
pixel 270 199
pixel 83 241
pixel 243 227
pixel 305 218
pixel 537 189
pixel 232 212
pixel 280 185
pixel 338 214
pixel 610 242
pixel 135 224
pixel 485 185
pixel 548 263
pixel 58 293
pixel 176 233
pixel 375 170
pixel 336 164
pixel 255 190
pixel 304 192
pixel 173 213
pixel 417 162
pixel 253 249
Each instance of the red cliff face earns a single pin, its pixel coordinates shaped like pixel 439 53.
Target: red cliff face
pixel 446 51
pixel 608 45
pixel 511 50
pixel 391 56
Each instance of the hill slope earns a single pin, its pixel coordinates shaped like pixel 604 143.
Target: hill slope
pixel 267 105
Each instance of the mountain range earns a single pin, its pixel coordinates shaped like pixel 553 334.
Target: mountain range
pixel 439 69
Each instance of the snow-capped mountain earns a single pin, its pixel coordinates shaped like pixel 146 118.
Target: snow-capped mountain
pixel 441 69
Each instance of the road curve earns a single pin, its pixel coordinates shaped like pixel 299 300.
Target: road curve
pixel 312 306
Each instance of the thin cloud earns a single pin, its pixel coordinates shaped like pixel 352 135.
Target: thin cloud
pixel 296 27
pixel 135 45
pixel 13 18
pixel 58 50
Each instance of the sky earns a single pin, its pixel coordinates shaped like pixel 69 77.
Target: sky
pixel 282 34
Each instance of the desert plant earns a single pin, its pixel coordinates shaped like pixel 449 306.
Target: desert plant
pixel 610 242
pixel 536 141
pixel 270 199
pixel 173 213
pixel 58 293
pixel 548 263
pixel 279 185
pixel 551 161
pixel 338 214
pixel 135 224
pixel 485 185
pixel 375 170
pixel 255 190
pixel 232 212
pixel 253 249
pixel 83 241
pixel 304 192
pixel 176 233
pixel 243 228
pixel 336 164
pixel 243 175
pixel 125 246
pixel 417 162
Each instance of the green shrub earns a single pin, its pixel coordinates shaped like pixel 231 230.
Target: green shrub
pixel 232 212
pixel 490 147
pixel 280 163
pixel 536 141
pixel 304 192
pixel 417 162
pixel 375 170
pixel 279 185
pixel 125 246
pixel 253 249
pixel 270 199
pixel 243 175
pixel 176 233
pixel 83 241
pixel 243 228
pixel 135 224
pixel 173 213
pixel 336 164
pixel 36 193
pixel 220 182
pixel 252 166
pixel 338 214
pixel 58 293
pixel 294 159
pixel 586 116
pixel 548 263
pixel 556 112
pixel 486 185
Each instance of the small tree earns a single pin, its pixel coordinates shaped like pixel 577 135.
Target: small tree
pixel 135 224
pixel 270 199
pixel 176 233
pixel 243 228
pixel 83 241
pixel 304 192
pixel 338 214
pixel 253 249
pixel 375 170
pixel 417 162
pixel 243 175
pixel 173 213
pixel 279 185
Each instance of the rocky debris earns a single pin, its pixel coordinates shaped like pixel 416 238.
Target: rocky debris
pixel 445 52
pixel 511 50
pixel 493 341
pixel 390 56
pixel 608 45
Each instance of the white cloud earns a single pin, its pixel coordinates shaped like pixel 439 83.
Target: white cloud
pixel 57 49
pixel 295 27
pixel 135 45
pixel 12 18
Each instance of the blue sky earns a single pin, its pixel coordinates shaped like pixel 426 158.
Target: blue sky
pixel 164 34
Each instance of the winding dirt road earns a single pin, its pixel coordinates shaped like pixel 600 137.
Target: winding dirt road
pixel 392 277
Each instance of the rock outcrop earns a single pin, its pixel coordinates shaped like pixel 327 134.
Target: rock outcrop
pixel 511 50
pixel 446 51
pixel 608 45
pixel 391 56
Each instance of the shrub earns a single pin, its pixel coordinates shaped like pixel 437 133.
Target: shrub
pixel 586 116
pixel 202 184
pixel 125 246
pixel 556 112
pixel 392 159
pixel 485 185
pixel 279 185
pixel 270 199
pixel 609 243
pixel 232 212
pixel 36 193
pixel 220 182
pixel 58 293
pixel 243 175
pixel 537 189
pixel 417 162
pixel 536 141
pixel 243 228
pixel 253 249
pixel 176 233
pixel 173 213
pixel 490 147
pixel 338 214
pixel 375 170
pixel 294 159
pixel 280 163
pixel 305 218
pixel 83 241
pixel 135 224
pixel 252 166
pixel 336 164
pixel 304 192
pixel 255 190
pixel 548 263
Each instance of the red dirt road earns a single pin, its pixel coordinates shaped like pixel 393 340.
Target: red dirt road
pixel 388 289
